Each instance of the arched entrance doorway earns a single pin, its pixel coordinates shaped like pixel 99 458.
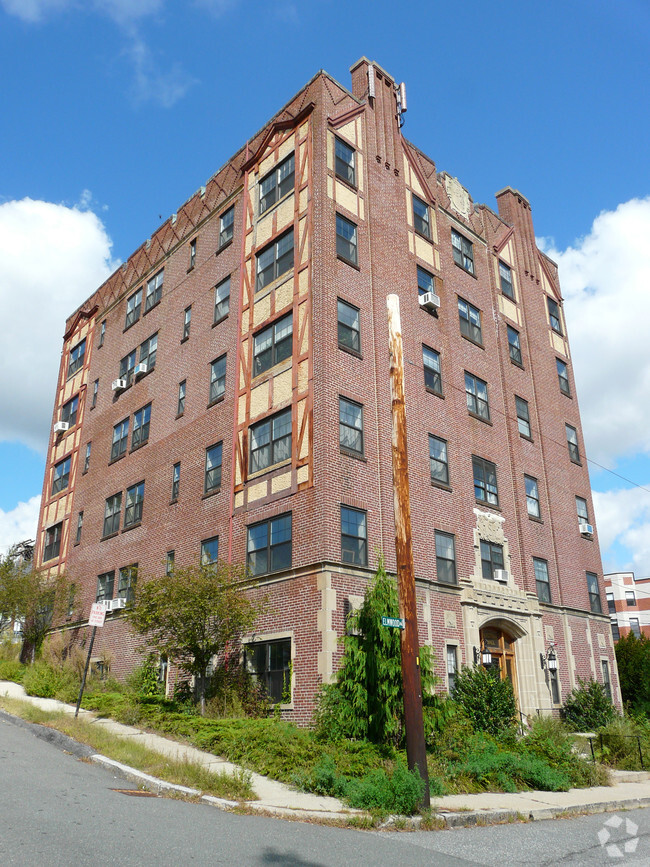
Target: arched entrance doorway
pixel 501 645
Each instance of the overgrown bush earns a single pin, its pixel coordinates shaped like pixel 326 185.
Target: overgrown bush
pixel 143 680
pixel 234 693
pixel 633 661
pixel 45 681
pixel 11 669
pixel 487 700
pixel 618 744
pixel 550 740
pixel 588 707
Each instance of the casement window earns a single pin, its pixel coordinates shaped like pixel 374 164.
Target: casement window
pixel 269 662
pixel 120 439
pixel 554 314
pixel 270 441
pixel 349 331
pixel 127 366
pixel 438 460
pixel 87 457
pixel 563 377
pixel 212 476
pixel 133 505
pixel 523 417
pixel 445 557
pixel 192 253
pixel 269 545
pixel 69 411
pixel 187 321
pixel 60 476
pixel 532 497
pixel 485 481
pixel 594 593
pixel 582 510
pixel 80 524
pixel 421 220
pixel 491 559
pixel 346 240
pixel 542 581
pixel 273 344
pixel 76 360
pixel 154 290
pixel 426 282
pixel 277 183
pixel 452 666
pixel 505 278
pixel 635 629
pixel 112 511
pixel 432 370
pixel 611 604
pixel 477 396
pixel 105 585
pixel 630 598
pixel 209 551
pixel 607 684
pixel 217 379
pixel 102 334
pixel 463 251
pixel 222 300
pixel 354 536
pixel 170 559
pixel 226 227
pixel 127 578
pixel 616 634
pixel 470 321
pixel 176 481
pixel 52 546
pixel 133 308
pixel 180 404
pixel 93 403
pixel 148 352
pixel 141 421
pixel 274 260
pixel 350 426
pixel 514 346
pixel 572 443
pixel 345 162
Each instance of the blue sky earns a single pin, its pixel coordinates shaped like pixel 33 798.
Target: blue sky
pixel 115 111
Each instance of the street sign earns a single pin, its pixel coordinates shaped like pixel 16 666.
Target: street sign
pixel 97 614
pixel 393 622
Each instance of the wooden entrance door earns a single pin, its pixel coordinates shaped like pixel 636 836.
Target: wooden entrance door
pixel 502 647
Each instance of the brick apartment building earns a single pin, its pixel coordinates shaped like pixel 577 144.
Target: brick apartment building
pixel 226 394
pixel 628 604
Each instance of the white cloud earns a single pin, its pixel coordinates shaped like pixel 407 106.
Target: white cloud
pixel 34 10
pixel 152 85
pixel 623 517
pixel 52 258
pixel 121 11
pixel 19 524
pixel 125 11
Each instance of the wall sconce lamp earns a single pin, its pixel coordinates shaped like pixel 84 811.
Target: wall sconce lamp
pixel 549 661
pixel 484 655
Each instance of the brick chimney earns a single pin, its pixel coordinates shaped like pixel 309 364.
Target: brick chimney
pixel 515 209
pixel 382 121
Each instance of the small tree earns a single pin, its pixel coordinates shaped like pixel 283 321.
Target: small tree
pixel 633 661
pixel 588 706
pixel 193 615
pixel 488 701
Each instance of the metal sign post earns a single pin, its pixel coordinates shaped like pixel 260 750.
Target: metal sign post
pixel 96 619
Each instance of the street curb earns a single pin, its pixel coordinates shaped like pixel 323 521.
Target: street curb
pixel 159 786
pixel 52 736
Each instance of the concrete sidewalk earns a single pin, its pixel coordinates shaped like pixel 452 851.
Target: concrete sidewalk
pixel 629 789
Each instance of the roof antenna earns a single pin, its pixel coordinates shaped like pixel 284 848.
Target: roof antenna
pixel 400 93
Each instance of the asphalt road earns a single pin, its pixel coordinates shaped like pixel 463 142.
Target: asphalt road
pixel 57 809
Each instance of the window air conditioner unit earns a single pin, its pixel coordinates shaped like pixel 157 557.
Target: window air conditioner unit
pixel 118 384
pixel 501 575
pixel 118 603
pixel 61 426
pixel 586 529
pixel 140 369
pixel 430 301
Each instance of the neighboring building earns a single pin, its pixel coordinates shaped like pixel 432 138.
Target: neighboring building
pixel 226 394
pixel 628 603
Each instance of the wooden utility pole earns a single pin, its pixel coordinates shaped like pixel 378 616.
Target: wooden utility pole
pixel 416 753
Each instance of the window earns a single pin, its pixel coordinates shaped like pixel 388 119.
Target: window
pixel 616 634
pixel 278 182
pixel 154 291
pixel 594 593
pixel 95 390
pixel 148 352
pixel 192 253
pixel 485 481
pixel 105 583
pixel 270 441
pixel 582 510
pixel 354 536
pixel 477 396
pixel 133 505
pixel 505 277
pixel 463 251
pixel 187 321
pixel 61 476
pixel 112 511
pixel 630 598
pixel 212 478
pixel 344 162
pixel 523 417
pixel 170 559
pixel 349 331
pixel 176 481
pixel 421 217
pixel 554 315
pixel 274 260
pixel 102 334
pixel 53 542
pixel 604 665
pixel 542 580
pixel 438 460
pixel 217 379
pixel 452 667
pixel 69 411
pixel 572 442
pixel 445 558
pixel 77 355
pixel 141 420
pixel 270 664
pixel 426 282
pixel 127 366
pixel 432 370
pixel 611 604
pixel 514 346
pixel 346 240
pixel 226 227
pixel 470 321
pixel 180 406
pixel 273 344
pixel 222 300
pixel 133 309
pixel 80 523
pixel 634 627
pixel 563 377
pixel 350 426
pixel 127 577
pixel 87 457
pixel 120 439
pixel 491 559
pixel 532 496
pixel 269 545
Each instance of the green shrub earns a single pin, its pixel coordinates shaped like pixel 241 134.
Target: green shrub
pixel 43 680
pixel 588 707
pixel 486 699
pixel 618 744
pixel 549 739
pixel 11 669
pixel 143 680
pixel 633 662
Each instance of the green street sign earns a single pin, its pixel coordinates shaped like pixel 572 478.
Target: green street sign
pixel 393 622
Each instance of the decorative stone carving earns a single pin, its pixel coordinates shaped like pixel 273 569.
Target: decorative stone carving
pixel 450 619
pixel 458 197
pixel 550 633
pixel 490 527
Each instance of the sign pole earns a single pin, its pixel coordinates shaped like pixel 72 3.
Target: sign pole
pixel 96 619
pixel 83 679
